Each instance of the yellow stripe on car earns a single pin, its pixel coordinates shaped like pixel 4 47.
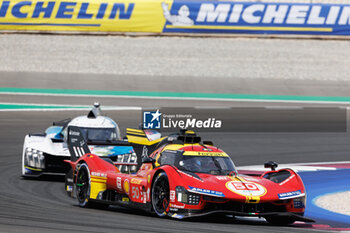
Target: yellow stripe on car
pixel 199 153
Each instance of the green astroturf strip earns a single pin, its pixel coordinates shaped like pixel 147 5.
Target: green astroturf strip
pixel 20 106
pixel 174 94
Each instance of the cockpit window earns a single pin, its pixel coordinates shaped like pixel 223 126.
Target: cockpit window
pixel 100 134
pixel 214 165
pixel 169 158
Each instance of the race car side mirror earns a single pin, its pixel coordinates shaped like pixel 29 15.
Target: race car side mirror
pixel 271 164
pixel 209 143
pixel 148 160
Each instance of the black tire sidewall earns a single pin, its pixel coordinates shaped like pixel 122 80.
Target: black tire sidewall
pixel 159 176
pixel 86 202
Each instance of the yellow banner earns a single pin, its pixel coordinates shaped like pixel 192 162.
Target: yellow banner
pixel 82 15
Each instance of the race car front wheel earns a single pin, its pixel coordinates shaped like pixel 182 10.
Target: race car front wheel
pixel 82 185
pixel 160 194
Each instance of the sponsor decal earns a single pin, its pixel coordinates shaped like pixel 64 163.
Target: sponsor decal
pixel 76 15
pixel 111 150
pixel 149 178
pixel 135 193
pixel 222 177
pixel 136 181
pixel 125 199
pixel 256 17
pixel 289 194
pixel 198 153
pixel 246 188
pixel 99 174
pixel 206 191
pixel 67 10
pixel 177 206
pixel 148 194
pixel 151 120
pixel 144 197
pixel 71 132
pixel 172 195
pixel 119 183
pixel 126 186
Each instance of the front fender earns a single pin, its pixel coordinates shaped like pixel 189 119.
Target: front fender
pixel 285 178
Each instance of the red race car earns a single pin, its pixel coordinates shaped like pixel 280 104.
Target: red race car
pixel 183 177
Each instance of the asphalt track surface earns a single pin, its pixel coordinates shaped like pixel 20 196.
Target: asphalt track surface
pixel 42 205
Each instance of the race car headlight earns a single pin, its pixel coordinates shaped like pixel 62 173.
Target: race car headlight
pixel 299 202
pixel 183 196
pixel 133 159
pixel 34 158
pixel 127 160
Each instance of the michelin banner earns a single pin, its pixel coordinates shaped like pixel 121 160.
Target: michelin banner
pixel 172 16
pixel 257 17
pixel 82 15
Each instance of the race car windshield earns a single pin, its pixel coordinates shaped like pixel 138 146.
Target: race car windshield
pixel 214 165
pixel 100 134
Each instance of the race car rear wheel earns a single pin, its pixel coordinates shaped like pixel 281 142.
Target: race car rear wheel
pixel 160 194
pixel 280 220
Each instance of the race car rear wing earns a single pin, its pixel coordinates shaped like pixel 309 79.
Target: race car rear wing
pixel 143 141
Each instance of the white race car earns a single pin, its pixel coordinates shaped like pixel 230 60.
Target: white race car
pixel 45 153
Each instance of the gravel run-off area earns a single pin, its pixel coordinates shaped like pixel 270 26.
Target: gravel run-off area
pixel 336 202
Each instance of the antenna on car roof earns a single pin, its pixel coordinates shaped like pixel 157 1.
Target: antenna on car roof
pixel 95 111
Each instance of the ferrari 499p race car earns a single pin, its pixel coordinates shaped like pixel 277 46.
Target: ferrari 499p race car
pixel 45 153
pixel 184 177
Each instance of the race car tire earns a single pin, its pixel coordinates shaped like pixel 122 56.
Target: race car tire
pixel 280 220
pixel 160 194
pixel 82 187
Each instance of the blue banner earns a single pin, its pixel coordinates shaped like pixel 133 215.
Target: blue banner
pixel 256 18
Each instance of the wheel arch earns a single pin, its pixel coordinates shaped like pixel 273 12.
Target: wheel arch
pixel 154 178
pixel 171 172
